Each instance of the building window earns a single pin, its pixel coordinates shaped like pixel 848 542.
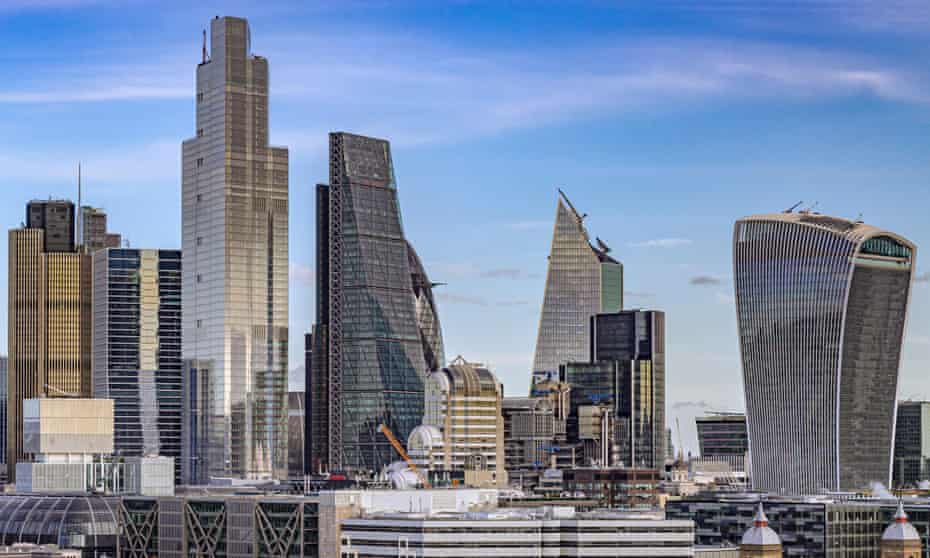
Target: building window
pixel 199 278
pixel 199 198
pixel 199 323
pixel 200 97
pixel 199 132
pixel 199 162
pixel 199 241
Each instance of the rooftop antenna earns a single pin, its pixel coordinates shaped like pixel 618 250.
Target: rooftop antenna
pixel 859 217
pixel 77 222
pixel 204 46
pixel 793 207
pixel 812 207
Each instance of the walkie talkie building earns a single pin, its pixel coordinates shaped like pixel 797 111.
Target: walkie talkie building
pixel 821 304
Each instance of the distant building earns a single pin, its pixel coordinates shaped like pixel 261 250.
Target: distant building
pixel 72 441
pixel 234 189
pixel 531 427
pixel 295 435
pixel 821 306
pixel 376 333
pixel 56 219
pixel 614 487
pixel 722 438
pixel 94 233
pixel 760 540
pixel 196 400
pixel 50 315
pixel 620 392
pixel 582 280
pixel 809 527
pixel 901 539
pixel 3 416
pixel 549 531
pixel 912 444
pixel 137 348
pixel 462 429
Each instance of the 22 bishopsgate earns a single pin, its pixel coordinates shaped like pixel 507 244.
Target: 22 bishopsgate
pixel 235 278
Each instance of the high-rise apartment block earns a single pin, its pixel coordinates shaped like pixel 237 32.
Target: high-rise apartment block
pixel 50 315
pixel 912 444
pixel 374 340
pixel 821 305
pixel 583 280
pixel 137 348
pixel 235 272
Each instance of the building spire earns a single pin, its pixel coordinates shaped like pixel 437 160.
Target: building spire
pixel 204 51
pixel 760 520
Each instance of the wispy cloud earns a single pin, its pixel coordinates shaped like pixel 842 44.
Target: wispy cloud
pixel 661 243
pixel 705 280
pixel 465 91
pixel 470 270
pixel 462 299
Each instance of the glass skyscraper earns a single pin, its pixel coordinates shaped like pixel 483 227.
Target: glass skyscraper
pixel 235 277
pixel 582 280
pixel 821 305
pixel 137 348
pixel 368 354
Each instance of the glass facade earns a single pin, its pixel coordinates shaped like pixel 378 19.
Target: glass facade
pixel 235 240
pixel 582 280
pixel 427 314
pixel 722 435
pixel 368 363
pixel 137 348
pixel 821 305
pixel 86 523
pixel 912 444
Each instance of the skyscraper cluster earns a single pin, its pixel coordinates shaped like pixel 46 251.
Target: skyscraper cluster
pixel 192 345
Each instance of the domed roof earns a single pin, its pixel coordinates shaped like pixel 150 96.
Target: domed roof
pixel 901 529
pixel 760 534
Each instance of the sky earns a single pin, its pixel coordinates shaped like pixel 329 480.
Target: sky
pixel 665 121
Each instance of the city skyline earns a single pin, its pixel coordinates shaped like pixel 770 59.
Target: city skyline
pixel 663 192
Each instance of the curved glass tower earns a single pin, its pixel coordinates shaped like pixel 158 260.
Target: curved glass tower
pixel 427 314
pixel 582 280
pixel 821 304
pixel 368 363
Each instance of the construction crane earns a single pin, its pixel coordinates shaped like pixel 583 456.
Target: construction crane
pixel 389 434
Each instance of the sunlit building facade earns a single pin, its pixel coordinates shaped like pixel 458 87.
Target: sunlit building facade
pixel 50 315
pixel 235 249
pixel 821 306
pixel 582 280
pixel 368 362
pixel 137 348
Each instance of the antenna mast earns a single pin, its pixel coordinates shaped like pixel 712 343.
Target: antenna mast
pixel 204 51
pixel 80 212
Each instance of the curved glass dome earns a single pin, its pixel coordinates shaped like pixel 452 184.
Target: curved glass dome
pixel 87 523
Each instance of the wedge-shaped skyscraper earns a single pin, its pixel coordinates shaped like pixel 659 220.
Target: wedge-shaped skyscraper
pixel 582 280
pixel 821 304
pixel 370 352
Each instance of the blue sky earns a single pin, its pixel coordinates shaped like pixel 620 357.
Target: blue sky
pixel 664 120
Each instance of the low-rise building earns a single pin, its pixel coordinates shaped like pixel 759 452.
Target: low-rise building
pixel 552 532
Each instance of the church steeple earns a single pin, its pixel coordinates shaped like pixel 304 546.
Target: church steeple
pixel 760 541
pixel 901 539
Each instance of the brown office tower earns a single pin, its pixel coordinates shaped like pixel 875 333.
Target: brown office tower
pixel 49 334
